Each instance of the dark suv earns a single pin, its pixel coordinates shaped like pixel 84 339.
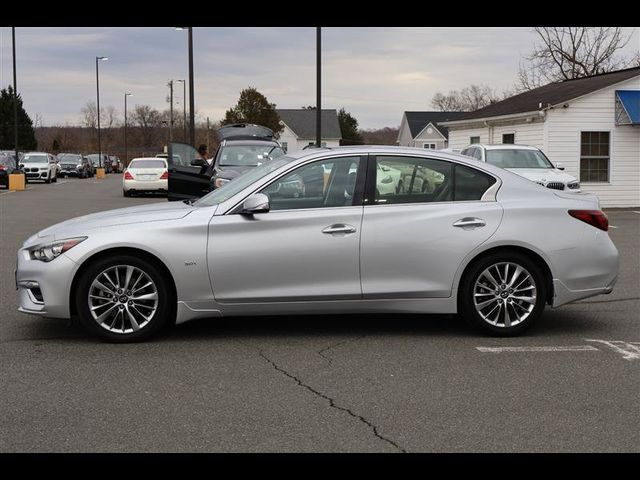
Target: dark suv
pixel 74 164
pixel 7 166
pixel 243 146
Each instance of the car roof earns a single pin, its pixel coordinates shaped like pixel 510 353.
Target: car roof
pixel 249 142
pixel 503 146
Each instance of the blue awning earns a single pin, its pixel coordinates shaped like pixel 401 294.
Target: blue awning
pixel 628 107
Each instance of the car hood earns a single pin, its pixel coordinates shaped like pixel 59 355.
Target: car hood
pixel 543 174
pixel 109 218
pixel 34 164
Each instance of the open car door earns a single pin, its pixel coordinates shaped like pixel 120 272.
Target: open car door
pixel 188 178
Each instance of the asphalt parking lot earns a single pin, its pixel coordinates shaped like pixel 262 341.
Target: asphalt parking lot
pixel 366 383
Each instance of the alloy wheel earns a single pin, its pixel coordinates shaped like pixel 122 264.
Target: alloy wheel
pixel 123 299
pixel 504 294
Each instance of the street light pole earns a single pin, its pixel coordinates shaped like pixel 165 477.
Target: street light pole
pixel 126 158
pixel 192 123
pixel 184 107
pixel 171 111
pixel 318 90
pixel 15 96
pixel 98 107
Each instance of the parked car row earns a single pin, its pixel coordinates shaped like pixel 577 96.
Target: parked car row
pixel 47 167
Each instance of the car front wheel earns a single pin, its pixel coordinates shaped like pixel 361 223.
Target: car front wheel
pixel 503 294
pixel 123 299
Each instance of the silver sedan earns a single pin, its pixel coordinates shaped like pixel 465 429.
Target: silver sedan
pixel 483 242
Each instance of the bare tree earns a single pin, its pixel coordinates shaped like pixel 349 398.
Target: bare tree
pixel 468 99
pixel 90 115
pixel 563 53
pixel 149 123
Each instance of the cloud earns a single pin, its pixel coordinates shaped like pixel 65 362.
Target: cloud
pixel 375 73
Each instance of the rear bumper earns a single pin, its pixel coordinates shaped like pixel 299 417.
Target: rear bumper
pixel 145 186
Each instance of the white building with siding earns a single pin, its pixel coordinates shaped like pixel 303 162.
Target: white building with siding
pixel 589 125
pixel 300 128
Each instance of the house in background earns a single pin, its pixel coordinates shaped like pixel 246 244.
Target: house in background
pixel 590 125
pixel 300 128
pixel 423 129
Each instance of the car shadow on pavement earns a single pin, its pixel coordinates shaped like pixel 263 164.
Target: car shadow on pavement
pixel 553 323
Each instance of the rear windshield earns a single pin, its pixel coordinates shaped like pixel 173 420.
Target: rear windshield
pixel 148 164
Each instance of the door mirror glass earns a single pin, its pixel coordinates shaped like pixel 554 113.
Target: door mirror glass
pixel 256 203
pixel 559 166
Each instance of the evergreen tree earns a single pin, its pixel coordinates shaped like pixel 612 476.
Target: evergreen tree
pixel 26 133
pixel 349 128
pixel 253 107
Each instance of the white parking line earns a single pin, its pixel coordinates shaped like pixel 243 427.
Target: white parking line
pixel 636 212
pixel 571 348
pixel 628 350
pixel 612 226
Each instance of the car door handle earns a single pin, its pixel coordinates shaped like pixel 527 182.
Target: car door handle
pixel 339 228
pixel 470 222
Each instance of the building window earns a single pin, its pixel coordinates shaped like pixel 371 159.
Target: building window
pixel 594 156
pixel 473 140
pixel 431 146
pixel 509 138
pixel 285 146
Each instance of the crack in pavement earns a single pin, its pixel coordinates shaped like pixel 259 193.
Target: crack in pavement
pixel 334 345
pixel 332 402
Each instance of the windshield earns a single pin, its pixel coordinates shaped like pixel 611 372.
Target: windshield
pixel 248 155
pixel 69 157
pixel 513 158
pixel 35 159
pixel 148 164
pixel 241 182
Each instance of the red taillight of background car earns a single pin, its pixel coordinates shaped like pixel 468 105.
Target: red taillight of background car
pixel 2 167
pixel 164 176
pixel 595 218
pixel 128 176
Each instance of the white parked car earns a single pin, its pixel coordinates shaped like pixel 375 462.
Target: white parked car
pixel 40 166
pixel 528 162
pixel 145 175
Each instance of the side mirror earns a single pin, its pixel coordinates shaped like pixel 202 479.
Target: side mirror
pixel 198 162
pixel 559 166
pixel 256 203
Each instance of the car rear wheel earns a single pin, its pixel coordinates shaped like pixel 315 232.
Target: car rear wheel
pixel 123 299
pixel 503 294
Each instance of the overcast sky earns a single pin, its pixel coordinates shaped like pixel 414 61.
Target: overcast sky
pixel 375 73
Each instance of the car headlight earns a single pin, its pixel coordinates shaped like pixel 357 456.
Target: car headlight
pixel 573 185
pixel 219 182
pixel 50 251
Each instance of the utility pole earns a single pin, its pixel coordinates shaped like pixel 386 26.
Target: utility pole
pixel 318 89
pixel 171 111
pixel 208 128
pixel 15 97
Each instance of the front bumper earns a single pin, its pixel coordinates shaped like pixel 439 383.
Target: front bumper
pixel 52 279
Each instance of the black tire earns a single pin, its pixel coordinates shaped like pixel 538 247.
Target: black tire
pixel 125 193
pixel 163 315
pixel 467 307
pixel 55 179
pixel 48 180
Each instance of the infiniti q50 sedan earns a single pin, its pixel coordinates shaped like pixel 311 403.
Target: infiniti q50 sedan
pixel 484 242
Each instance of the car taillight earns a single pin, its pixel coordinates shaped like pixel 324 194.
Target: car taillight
pixel 164 176
pixel 2 167
pixel 128 176
pixel 595 218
